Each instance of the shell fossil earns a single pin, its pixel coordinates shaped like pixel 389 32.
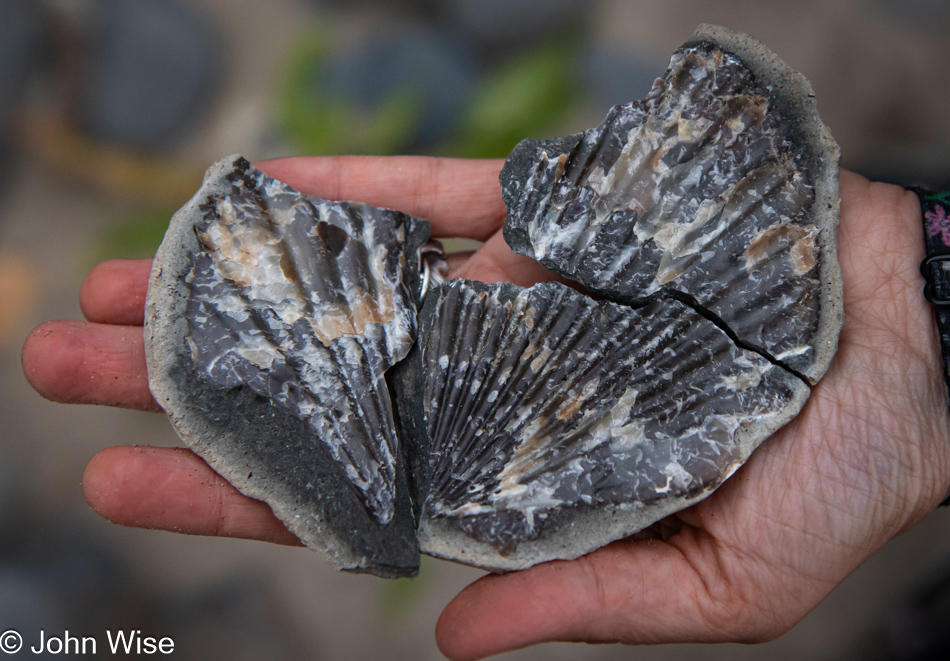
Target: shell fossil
pixel 721 186
pixel 503 426
pixel 272 319
pixel 548 410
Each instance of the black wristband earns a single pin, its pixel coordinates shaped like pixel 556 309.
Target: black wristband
pixel 936 269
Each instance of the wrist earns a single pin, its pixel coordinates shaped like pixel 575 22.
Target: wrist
pixel 890 329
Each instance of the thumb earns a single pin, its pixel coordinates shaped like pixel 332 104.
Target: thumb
pixel 632 591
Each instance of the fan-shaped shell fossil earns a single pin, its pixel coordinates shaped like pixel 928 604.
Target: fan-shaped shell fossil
pixel 272 319
pixel 550 412
pixel 721 185
pixel 504 426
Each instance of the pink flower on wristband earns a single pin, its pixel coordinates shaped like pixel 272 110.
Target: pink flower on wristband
pixel 938 223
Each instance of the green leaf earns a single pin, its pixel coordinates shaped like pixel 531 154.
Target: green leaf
pixel 529 96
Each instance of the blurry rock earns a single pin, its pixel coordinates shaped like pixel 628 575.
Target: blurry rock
pixel 7 489
pixel 614 76
pixel 6 153
pixel 921 11
pixel 19 41
pixel 10 503
pixel 397 89
pixel 903 164
pixel 61 580
pixel 20 38
pixel 497 23
pixel 398 6
pixel 89 581
pixel 151 66
pixel 238 620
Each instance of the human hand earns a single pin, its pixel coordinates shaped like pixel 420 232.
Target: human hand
pixel 102 361
pixel 868 456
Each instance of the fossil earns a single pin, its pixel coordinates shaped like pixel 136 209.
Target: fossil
pixel 557 423
pixel 272 319
pixel 304 348
pixel 720 186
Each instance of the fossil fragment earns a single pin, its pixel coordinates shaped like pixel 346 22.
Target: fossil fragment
pixel 557 423
pixel 503 426
pixel 272 319
pixel 721 185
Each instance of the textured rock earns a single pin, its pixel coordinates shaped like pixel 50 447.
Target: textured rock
pixel 149 68
pixel 721 185
pixel 557 423
pixel 517 425
pixel 271 321
pixel 710 210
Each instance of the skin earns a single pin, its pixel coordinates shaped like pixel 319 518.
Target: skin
pixel 866 459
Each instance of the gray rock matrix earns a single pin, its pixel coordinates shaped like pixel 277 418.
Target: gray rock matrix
pixel 502 426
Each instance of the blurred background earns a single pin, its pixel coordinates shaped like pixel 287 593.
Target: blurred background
pixel 110 110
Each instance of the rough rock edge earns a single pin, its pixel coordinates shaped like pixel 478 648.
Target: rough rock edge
pixel 589 529
pixel 797 99
pixel 166 325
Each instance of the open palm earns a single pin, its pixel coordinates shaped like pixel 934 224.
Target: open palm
pixel 867 457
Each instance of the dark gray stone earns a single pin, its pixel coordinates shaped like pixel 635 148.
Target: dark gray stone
pixel 429 70
pixel 721 185
pixel 20 37
pixel 271 320
pixel 28 604
pixel 557 423
pixel 13 508
pixel 503 23
pixel 150 70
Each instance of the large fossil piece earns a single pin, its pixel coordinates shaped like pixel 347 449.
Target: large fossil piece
pixel 721 186
pixel 271 321
pixel 290 341
pixel 557 423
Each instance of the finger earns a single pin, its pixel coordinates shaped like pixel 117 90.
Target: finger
pixel 495 262
pixel 82 363
pixel 636 592
pixel 456 261
pixel 460 197
pixel 114 292
pixel 174 489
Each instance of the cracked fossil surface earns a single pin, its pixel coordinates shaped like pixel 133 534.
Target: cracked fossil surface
pixel 721 186
pixel 503 426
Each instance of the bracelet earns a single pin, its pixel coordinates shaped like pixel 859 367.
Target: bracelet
pixel 936 269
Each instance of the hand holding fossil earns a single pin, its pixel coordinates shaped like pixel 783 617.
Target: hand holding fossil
pixel 867 457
